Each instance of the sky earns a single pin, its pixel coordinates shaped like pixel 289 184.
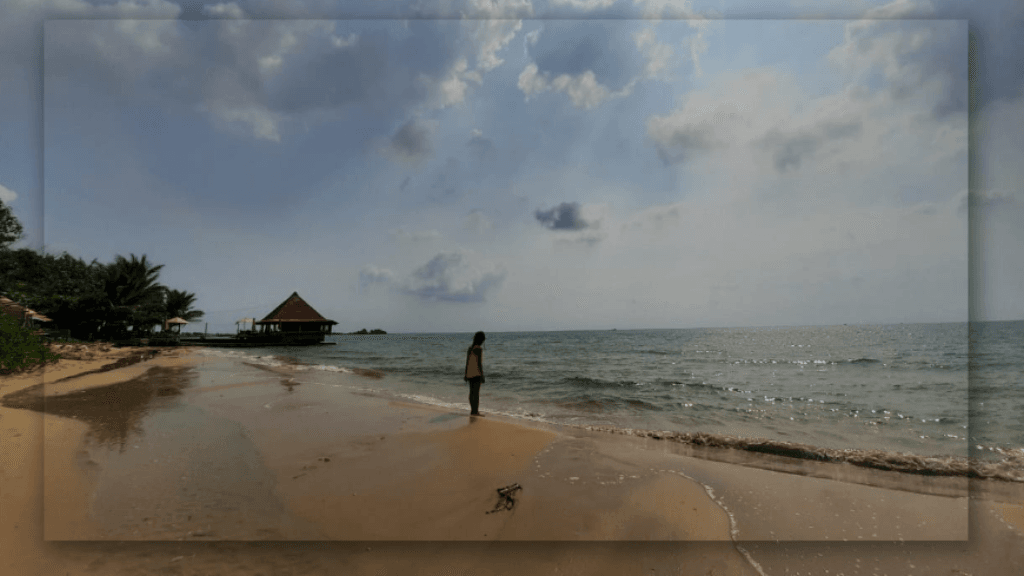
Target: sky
pixel 511 165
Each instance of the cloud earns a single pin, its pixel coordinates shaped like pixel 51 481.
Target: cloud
pixel 448 177
pixel 708 120
pixel 450 89
pixel 493 36
pixel 455 277
pixel 401 234
pixel 594 62
pixel 565 216
pixel 583 90
pixel 265 74
pixel 789 148
pixel 7 195
pixel 584 5
pixel 412 140
pixel 224 10
pixel 481 149
pixel 921 60
pixel 477 222
pixel 655 217
pixel 371 274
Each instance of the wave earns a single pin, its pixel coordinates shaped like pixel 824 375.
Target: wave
pixel 588 382
pixel 275 361
pixel 1009 467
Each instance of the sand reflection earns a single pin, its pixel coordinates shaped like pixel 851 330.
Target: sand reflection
pixel 113 413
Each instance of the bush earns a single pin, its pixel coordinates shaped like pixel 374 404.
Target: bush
pixel 19 348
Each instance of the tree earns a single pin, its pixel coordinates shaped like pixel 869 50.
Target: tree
pixel 10 228
pixel 179 304
pixel 133 295
pixel 63 287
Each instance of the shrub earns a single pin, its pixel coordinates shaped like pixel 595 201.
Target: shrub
pixel 19 348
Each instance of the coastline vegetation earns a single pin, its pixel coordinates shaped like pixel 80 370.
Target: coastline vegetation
pixel 20 349
pixel 119 300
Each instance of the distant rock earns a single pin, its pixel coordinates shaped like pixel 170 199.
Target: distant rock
pixel 374 331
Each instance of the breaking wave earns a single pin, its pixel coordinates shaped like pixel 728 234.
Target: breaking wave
pixel 1009 468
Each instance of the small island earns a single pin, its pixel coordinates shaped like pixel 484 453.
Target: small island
pixel 374 331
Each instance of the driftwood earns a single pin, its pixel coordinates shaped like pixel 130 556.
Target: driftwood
pixel 506 498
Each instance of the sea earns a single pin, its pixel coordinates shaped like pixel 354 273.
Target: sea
pixel 952 392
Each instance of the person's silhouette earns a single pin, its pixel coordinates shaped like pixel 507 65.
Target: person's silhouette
pixel 475 372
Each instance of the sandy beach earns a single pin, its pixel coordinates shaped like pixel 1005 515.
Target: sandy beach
pixel 180 463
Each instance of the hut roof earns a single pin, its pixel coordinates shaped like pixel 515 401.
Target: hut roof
pixel 17 311
pixel 294 309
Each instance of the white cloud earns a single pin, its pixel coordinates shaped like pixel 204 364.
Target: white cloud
pixel 451 89
pixel 340 42
pixel 224 10
pixel 922 61
pixel 659 55
pixel 583 90
pixel 498 9
pixel 492 36
pixel 900 9
pixel 7 195
pixel 656 9
pixel 584 5
pixel 698 44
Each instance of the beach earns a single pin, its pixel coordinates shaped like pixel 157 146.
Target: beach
pixel 184 463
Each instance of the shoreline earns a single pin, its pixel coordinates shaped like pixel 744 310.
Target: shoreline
pixel 759 504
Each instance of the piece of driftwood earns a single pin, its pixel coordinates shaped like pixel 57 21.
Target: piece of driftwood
pixel 506 498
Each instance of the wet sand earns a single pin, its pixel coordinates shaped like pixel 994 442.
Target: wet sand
pixel 195 451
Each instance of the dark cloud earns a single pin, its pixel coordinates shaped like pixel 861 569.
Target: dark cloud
pixel 405 183
pixel 606 48
pixel 377 73
pixel 996 46
pixel 684 142
pixel 481 149
pixel 789 150
pixel 412 140
pixel 454 277
pixel 373 275
pixel 565 216
pixel 448 177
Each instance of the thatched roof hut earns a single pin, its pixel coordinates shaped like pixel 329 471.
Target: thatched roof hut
pixel 295 315
pixel 25 316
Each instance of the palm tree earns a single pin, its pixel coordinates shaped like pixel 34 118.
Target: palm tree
pixel 132 282
pixel 179 304
pixel 132 293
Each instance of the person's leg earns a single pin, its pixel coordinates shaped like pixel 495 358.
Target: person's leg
pixel 474 396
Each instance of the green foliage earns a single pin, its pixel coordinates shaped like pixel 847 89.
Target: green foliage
pixel 19 348
pixel 179 305
pixel 10 228
pixel 132 296
pixel 88 299
pixel 64 288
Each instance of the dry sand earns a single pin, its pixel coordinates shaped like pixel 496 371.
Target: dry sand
pixel 301 472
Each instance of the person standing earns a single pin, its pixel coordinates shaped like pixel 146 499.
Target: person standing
pixel 475 372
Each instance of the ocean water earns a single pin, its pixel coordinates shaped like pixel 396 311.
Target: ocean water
pixel 953 391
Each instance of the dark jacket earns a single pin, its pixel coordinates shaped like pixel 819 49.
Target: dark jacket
pixel 474 363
